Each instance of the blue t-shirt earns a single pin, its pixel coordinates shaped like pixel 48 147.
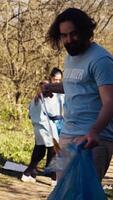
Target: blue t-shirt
pixel 83 74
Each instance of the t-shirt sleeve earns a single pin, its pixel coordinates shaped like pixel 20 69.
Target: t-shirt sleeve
pixel 103 71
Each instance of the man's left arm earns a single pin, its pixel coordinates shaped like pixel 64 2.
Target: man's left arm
pixel 102 72
pixel 104 117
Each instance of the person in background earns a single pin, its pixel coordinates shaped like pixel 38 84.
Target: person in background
pixel 55 112
pixel 87 84
pixel 39 118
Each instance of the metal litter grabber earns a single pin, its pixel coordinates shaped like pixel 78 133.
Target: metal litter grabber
pixel 56 145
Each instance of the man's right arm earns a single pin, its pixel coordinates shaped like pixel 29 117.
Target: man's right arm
pixel 48 90
pixel 52 88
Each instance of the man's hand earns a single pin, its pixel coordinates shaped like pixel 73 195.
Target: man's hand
pixel 91 140
pixel 44 89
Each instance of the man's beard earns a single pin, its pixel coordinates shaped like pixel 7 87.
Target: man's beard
pixel 75 48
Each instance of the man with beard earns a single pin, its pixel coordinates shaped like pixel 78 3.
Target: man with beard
pixel 88 86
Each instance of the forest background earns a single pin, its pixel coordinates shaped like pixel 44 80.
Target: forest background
pixel 26 59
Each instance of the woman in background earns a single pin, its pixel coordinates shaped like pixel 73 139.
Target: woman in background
pixel 39 118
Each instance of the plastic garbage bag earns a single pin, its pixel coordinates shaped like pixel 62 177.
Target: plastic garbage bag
pixel 59 125
pixel 62 159
pixel 79 180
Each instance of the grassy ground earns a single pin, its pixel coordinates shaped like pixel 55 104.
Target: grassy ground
pixel 16 141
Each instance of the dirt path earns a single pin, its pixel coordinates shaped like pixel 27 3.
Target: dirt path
pixel 12 188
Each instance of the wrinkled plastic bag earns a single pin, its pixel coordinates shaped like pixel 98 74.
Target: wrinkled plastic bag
pixel 59 125
pixel 79 180
pixel 62 159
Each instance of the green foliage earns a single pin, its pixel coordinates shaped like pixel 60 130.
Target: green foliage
pixel 17 141
pixel 9 114
pixel 16 133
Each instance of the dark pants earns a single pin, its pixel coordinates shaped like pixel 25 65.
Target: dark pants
pixel 37 155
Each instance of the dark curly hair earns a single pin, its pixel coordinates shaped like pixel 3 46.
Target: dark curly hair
pixel 84 24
